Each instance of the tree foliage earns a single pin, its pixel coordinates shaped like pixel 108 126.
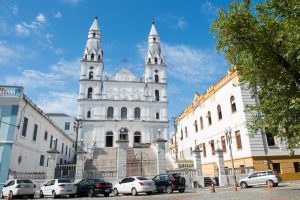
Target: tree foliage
pixel 262 42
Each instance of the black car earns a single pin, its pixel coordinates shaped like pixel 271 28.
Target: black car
pixel 169 182
pixel 91 187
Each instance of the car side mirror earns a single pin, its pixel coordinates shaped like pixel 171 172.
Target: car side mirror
pixel 4 185
pixel 120 182
pixel 249 177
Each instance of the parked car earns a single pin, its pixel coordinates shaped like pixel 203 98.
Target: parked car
pixel 92 187
pixel 261 178
pixel 134 185
pixel 18 187
pixel 58 187
pixel 169 182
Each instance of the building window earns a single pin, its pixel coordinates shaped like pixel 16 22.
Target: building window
pixel 90 93
pixel 232 104
pixel 99 58
pixel 92 56
pixel 94 35
pixel 137 137
pixel 204 150
pixel 88 114
pixel 51 140
pixel 123 113
pixel 157 115
pixel 110 112
pixel 201 123
pixel 297 167
pixel 46 135
pixel 35 132
pixel 276 167
pixel 219 112
pixel 156 78
pixel 212 145
pixel 186 132
pixel 191 151
pixel 42 159
pixel 66 153
pixel 91 75
pixel 156 95
pixel 24 129
pixel 196 126
pixel 137 113
pixel 67 126
pixel 62 148
pixel 209 118
pixel 181 134
pixel 223 143
pixel 55 143
pixel 109 139
pixel 155 60
pixel 238 140
pixel 270 138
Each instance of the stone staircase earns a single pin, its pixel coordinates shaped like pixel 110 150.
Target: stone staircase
pixel 141 162
pixel 104 159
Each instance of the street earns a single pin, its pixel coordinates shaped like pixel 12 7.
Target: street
pixel 285 191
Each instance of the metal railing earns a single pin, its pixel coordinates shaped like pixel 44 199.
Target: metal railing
pixel 27 175
pixel 99 174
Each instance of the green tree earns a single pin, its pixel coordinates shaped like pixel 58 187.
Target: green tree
pixel 262 42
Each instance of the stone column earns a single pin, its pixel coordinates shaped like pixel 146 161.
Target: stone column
pixel 198 179
pixel 161 155
pixel 122 158
pixel 52 156
pixel 222 175
pixel 80 161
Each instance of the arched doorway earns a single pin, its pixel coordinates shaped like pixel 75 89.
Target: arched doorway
pixel 109 139
pixel 137 138
pixel 123 134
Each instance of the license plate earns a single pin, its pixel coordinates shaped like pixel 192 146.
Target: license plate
pixel 107 190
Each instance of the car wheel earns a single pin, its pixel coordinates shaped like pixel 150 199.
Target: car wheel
pixel 91 192
pixel 243 185
pixel 134 192
pixel 181 190
pixel 106 194
pixel 169 189
pixel 271 183
pixel 116 193
pixel 41 195
pixel 31 196
pixel 54 195
pixel 160 191
pixel 11 195
pixel 275 184
pixel 1 195
pixel 72 195
pixel 148 193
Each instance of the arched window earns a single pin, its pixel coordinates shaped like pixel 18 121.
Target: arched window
pixel 157 115
pixel 156 95
pixel 209 118
pixel 92 56
pixel 156 78
pixel 123 113
pixel 137 113
pixel 91 67
pixel 155 60
pixel 85 56
pixel 233 105
pixel 99 58
pixel 90 93
pixel 196 126
pixel 201 123
pixel 137 137
pixel 110 112
pixel 149 60
pixel 88 114
pixel 109 139
pixel 123 134
pixel 219 112
pixel 94 35
pixel 91 74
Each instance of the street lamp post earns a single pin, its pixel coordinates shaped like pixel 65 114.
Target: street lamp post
pixel 229 142
pixel 175 137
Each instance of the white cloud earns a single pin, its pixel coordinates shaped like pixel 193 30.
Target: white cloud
pixel 21 30
pixel 57 15
pixel 208 8
pixel 67 68
pixel 15 9
pixel 71 2
pixel 62 102
pixel 174 22
pixel 12 53
pixel 40 18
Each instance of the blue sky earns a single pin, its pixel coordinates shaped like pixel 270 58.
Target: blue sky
pixel 41 43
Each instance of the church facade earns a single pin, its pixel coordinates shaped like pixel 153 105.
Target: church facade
pixel 122 106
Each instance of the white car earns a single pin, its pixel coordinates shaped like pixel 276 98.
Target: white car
pixel 18 187
pixel 58 187
pixel 134 185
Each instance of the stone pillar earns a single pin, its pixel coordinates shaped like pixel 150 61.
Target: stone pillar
pixel 222 176
pixel 52 156
pixel 80 161
pixel 198 179
pixel 161 155
pixel 122 158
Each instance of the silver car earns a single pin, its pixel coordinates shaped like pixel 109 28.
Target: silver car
pixel 261 178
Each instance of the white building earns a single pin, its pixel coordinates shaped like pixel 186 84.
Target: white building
pixel 220 110
pixel 122 106
pixel 65 122
pixel 33 135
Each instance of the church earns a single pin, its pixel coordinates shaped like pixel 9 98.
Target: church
pixel 123 106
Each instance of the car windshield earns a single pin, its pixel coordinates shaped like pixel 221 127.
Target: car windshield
pixel 64 181
pixel 99 180
pixel 141 178
pixel 24 181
